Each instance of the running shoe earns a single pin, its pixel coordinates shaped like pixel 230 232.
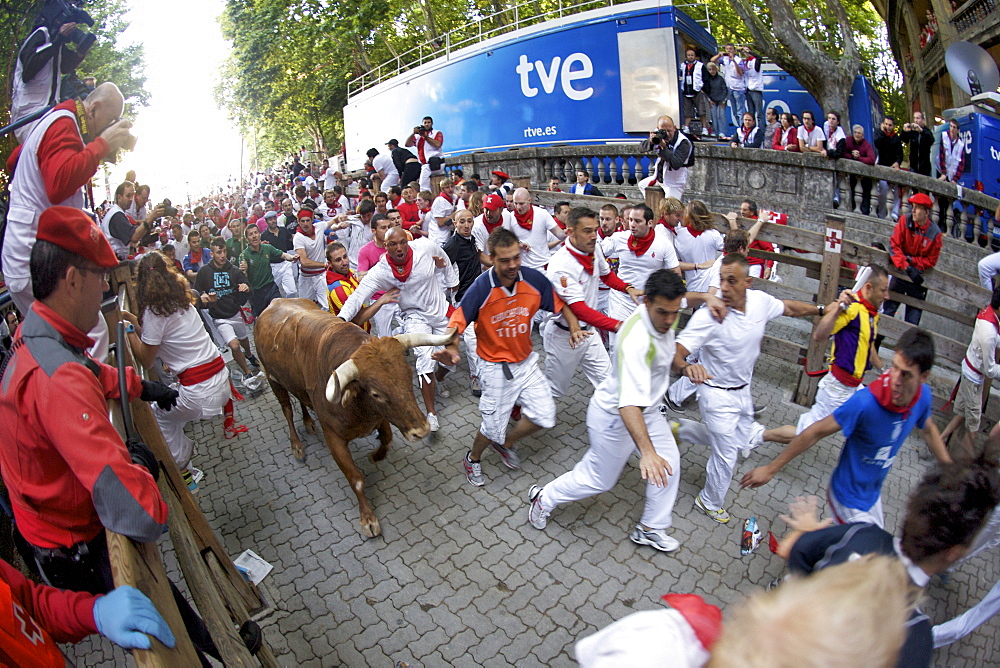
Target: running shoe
pixel 477 388
pixel 197 474
pixel 432 420
pixel 473 470
pixel 756 438
pixel 657 538
pixel 189 480
pixel 537 515
pixel 510 458
pixel 252 361
pixel 674 408
pixel 720 515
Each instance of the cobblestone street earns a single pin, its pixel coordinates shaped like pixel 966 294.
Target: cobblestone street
pixel 460 578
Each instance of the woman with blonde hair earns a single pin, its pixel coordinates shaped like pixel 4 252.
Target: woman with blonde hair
pixel 698 244
pixel 168 328
pixel 476 203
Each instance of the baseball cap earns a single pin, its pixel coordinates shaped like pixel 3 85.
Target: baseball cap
pixel 493 202
pixel 392 142
pixel 73 230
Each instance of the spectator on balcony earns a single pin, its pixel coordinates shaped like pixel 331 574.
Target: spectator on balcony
pixel 748 135
pixel 673 153
pixel 786 135
pixel 921 140
pixel 693 96
pixel 810 136
pixel 583 186
pixel 772 126
pixel 718 94
pixel 554 185
pixel 856 147
pixel 951 163
pixel 889 153
pixel 916 246
pixel 732 68
pixel 428 143
pixel 834 138
pixel 754 80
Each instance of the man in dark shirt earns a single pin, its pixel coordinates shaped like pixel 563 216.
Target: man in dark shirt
pixel 285 275
pixel 944 514
pixel 461 250
pixel 224 289
pixel 405 162
pixel 889 150
pixel 921 140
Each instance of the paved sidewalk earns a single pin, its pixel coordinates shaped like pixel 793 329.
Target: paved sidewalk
pixel 460 578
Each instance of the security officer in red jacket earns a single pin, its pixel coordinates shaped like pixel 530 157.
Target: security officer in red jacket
pixel 916 246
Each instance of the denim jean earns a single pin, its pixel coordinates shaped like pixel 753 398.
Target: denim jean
pixel 720 122
pixel 737 105
pixel 755 105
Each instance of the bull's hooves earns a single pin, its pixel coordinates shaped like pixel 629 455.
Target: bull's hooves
pixel 371 530
pixel 300 454
pixel 311 428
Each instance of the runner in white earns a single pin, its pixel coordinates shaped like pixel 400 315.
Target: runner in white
pixel 624 418
pixel 697 244
pixel 412 268
pixel 575 271
pixel 441 223
pixel 494 215
pixel 532 225
pixel 640 252
pixel 727 353
pixel 309 243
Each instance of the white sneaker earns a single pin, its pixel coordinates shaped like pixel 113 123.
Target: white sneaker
pixel 657 538
pixel 704 132
pixel 537 515
pixel 432 420
pixel 685 129
pixel 756 438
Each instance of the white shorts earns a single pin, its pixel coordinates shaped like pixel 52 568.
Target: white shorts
pixel 528 388
pixel 231 329
pixel 844 515
pixel 830 395
pixel 418 323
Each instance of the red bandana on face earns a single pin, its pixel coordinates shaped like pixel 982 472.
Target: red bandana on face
pixel 640 246
pixel 880 389
pixel 525 220
pixel 401 271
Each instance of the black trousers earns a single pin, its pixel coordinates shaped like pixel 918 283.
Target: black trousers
pixel 411 173
pixel 261 299
pixel 866 192
pixel 907 288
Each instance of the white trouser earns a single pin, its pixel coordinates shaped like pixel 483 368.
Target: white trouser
pixel 527 388
pixel 966 623
pixel 620 307
pixel 989 267
pixel 830 395
pixel 284 276
pixel 562 361
pixel 196 402
pixel 845 515
pixel 682 389
pixel 727 416
pixel 669 190
pixel 610 448
pixel 425 176
pixel 390 180
pixel 469 336
pixel 314 288
pixel 883 191
pixel 603 299
pixel 418 323
pixel 382 320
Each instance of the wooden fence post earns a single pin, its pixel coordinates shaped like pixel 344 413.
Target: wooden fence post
pixel 829 281
pixel 654 196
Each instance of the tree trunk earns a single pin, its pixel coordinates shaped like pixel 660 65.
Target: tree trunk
pixel 429 27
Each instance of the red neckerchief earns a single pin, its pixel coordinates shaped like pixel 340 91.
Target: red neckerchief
pixel 446 198
pixel 333 276
pixel 491 226
pixel 395 202
pixel 586 260
pixel 131 220
pixel 871 309
pixel 561 225
pixel 525 220
pixel 889 134
pixel 663 221
pixel 704 619
pixel 640 246
pixel 310 236
pixel 65 329
pixel 990 316
pixel 600 231
pixel 401 272
pixel 694 232
pixel 883 395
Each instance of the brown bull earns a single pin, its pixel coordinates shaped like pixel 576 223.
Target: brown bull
pixel 354 382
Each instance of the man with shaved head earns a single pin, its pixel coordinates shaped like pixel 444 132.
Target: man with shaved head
pixel 531 226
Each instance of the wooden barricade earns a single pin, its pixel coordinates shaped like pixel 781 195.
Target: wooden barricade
pixel 224 598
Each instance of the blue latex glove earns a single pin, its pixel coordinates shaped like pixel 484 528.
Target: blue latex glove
pixel 125 616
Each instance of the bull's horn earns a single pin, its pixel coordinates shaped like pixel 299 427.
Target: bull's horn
pixel 339 379
pixel 416 340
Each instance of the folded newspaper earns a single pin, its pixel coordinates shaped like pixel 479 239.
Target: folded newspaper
pixel 252 566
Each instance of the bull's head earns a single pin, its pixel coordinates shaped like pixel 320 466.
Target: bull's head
pixel 379 369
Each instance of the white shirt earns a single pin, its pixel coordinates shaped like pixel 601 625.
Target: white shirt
pixel 315 248
pixel 343 204
pixel 811 138
pixel 354 237
pixel 537 238
pixel 383 163
pixel 441 207
pixel 635 269
pixel 329 180
pixel 838 134
pixel 729 349
pixel 309 182
pixel 982 352
pixel 734 80
pixel 183 340
pixel 571 281
pixel 479 233
pixel 697 249
pixel 641 363
pixel 421 293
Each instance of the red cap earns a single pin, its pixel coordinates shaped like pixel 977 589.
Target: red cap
pixel 502 175
pixel 73 230
pixel 493 202
pixel 921 199
pixel 305 213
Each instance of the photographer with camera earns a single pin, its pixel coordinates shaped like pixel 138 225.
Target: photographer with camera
pixel 44 57
pixel 123 231
pixel 428 142
pixel 52 167
pixel 674 154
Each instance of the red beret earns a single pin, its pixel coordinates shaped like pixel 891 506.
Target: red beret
pixel 502 175
pixel 922 200
pixel 493 202
pixel 73 230
pixel 305 213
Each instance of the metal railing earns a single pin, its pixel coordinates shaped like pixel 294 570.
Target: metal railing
pixel 492 25
pixel 974 13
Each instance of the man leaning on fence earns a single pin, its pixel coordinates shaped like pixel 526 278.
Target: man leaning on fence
pixel 916 246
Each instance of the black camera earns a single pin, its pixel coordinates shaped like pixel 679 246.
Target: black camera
pixel 56 13
pixel 659 135
pixel 168 210
pixel 419 130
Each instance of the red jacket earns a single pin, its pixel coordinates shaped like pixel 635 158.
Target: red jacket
pixel 793 140
pixel 864 149
pixel 67 470
pixel 913 246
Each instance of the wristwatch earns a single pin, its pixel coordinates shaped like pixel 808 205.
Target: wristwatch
pixel 821 308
